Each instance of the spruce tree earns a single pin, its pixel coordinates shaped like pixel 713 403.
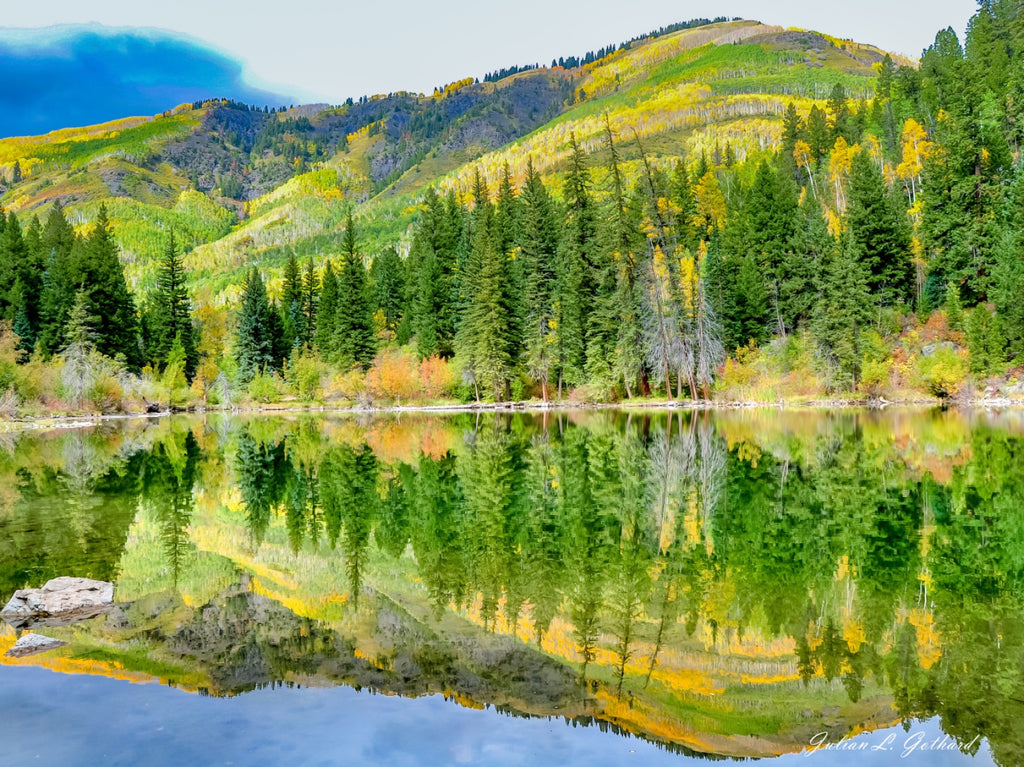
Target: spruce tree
pixel 59 284
pixel 354 338
pixel 843 312
pixel 1008 287
pixel 481 248
pixel 771 217
pixel 327 313
pixel 880 232
pixel 309 300
pixel 254 344
pixel 954 307
pixel 291 304
pixel 387 275
pixel 539 245
pixel 433 276
pixel 101 277
pixel 169 317
pixel 576 278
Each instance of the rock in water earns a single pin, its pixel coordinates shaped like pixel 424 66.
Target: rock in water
pixel 60 602
pixel 33 644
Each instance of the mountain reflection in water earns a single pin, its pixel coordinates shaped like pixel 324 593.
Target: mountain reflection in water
pixel 720 584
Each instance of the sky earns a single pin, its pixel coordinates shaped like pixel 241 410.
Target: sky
pixel 329 50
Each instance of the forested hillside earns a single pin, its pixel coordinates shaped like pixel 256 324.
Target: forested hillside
pixel 719 210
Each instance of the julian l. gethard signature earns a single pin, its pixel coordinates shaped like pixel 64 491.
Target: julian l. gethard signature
pixel 907 745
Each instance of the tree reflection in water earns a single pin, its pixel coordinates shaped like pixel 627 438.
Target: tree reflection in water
pixel 692 578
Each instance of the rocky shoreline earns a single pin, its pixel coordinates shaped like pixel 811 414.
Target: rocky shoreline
pixel 877 403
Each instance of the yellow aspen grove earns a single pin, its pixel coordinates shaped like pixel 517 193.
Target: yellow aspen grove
pixel 916 149
pixel 839 169
pixel 802 156
pixel 710 204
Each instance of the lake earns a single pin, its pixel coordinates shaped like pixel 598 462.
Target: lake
pixel 581 587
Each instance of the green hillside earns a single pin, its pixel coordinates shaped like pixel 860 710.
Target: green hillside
pixel 241 186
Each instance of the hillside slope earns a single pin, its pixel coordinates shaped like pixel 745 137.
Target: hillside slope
pixel 240 185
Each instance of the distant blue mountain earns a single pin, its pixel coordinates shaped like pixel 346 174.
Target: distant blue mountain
pixel 69 76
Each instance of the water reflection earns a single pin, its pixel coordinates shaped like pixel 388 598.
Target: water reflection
pixel 730 584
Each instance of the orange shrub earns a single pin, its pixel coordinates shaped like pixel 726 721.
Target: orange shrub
pixel 394 375
pixel 436 377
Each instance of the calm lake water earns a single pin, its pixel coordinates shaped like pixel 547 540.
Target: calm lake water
pixel 594 588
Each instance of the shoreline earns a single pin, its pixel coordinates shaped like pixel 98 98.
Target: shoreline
pixel 46 422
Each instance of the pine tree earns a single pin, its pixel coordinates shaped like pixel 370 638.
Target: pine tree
pixel 471 313
pixel 539 245
pixel 327 313
pixel 880 232
pixel 354 338
pixel 791 130
pixel 254 343
pixel 818 134
pixel 954 307
pixel 507 225
pixel 576 278
pixel 432 277
pixel 169 317
pixel 1008 279
pixel 57 243
pixel 101 277
pixel 843 312
pixel 291 304
pixel 309 302
pixel 771 216
pixel 839 114
pixel 387 274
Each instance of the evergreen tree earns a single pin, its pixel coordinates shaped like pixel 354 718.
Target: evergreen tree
pixel 1009 275
pixel 57 243
pixel 472 312
pixel 818 133
pixel 169 315
pixel 843 311
pixel 954 308
pixel 254 343
pixel 771 217
pixel 879 232
pixel 432 276
pixel 291 304
pixel 538 246
pixel 840 120
pixel 576 278
pixel 387 274
pixel 101 277
pixel 354 338
pixel 327 313
pixel 309 302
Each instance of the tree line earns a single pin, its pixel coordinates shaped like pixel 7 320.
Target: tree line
pixel 632 276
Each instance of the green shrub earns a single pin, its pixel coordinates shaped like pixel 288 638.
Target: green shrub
pixel 305 373
pixel 942 373
pixel 263 387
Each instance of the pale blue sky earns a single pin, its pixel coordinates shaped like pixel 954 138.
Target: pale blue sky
pixel 330 50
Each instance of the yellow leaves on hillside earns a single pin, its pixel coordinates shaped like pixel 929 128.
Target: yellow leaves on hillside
pixel 687 287
pixel 747 121
pixel 710 204
pixel 623 66
pixel 805 161
pixel 916 149
pixel 839 164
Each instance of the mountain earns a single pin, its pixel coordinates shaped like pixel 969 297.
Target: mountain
pixel 242 185
pixel 74 75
